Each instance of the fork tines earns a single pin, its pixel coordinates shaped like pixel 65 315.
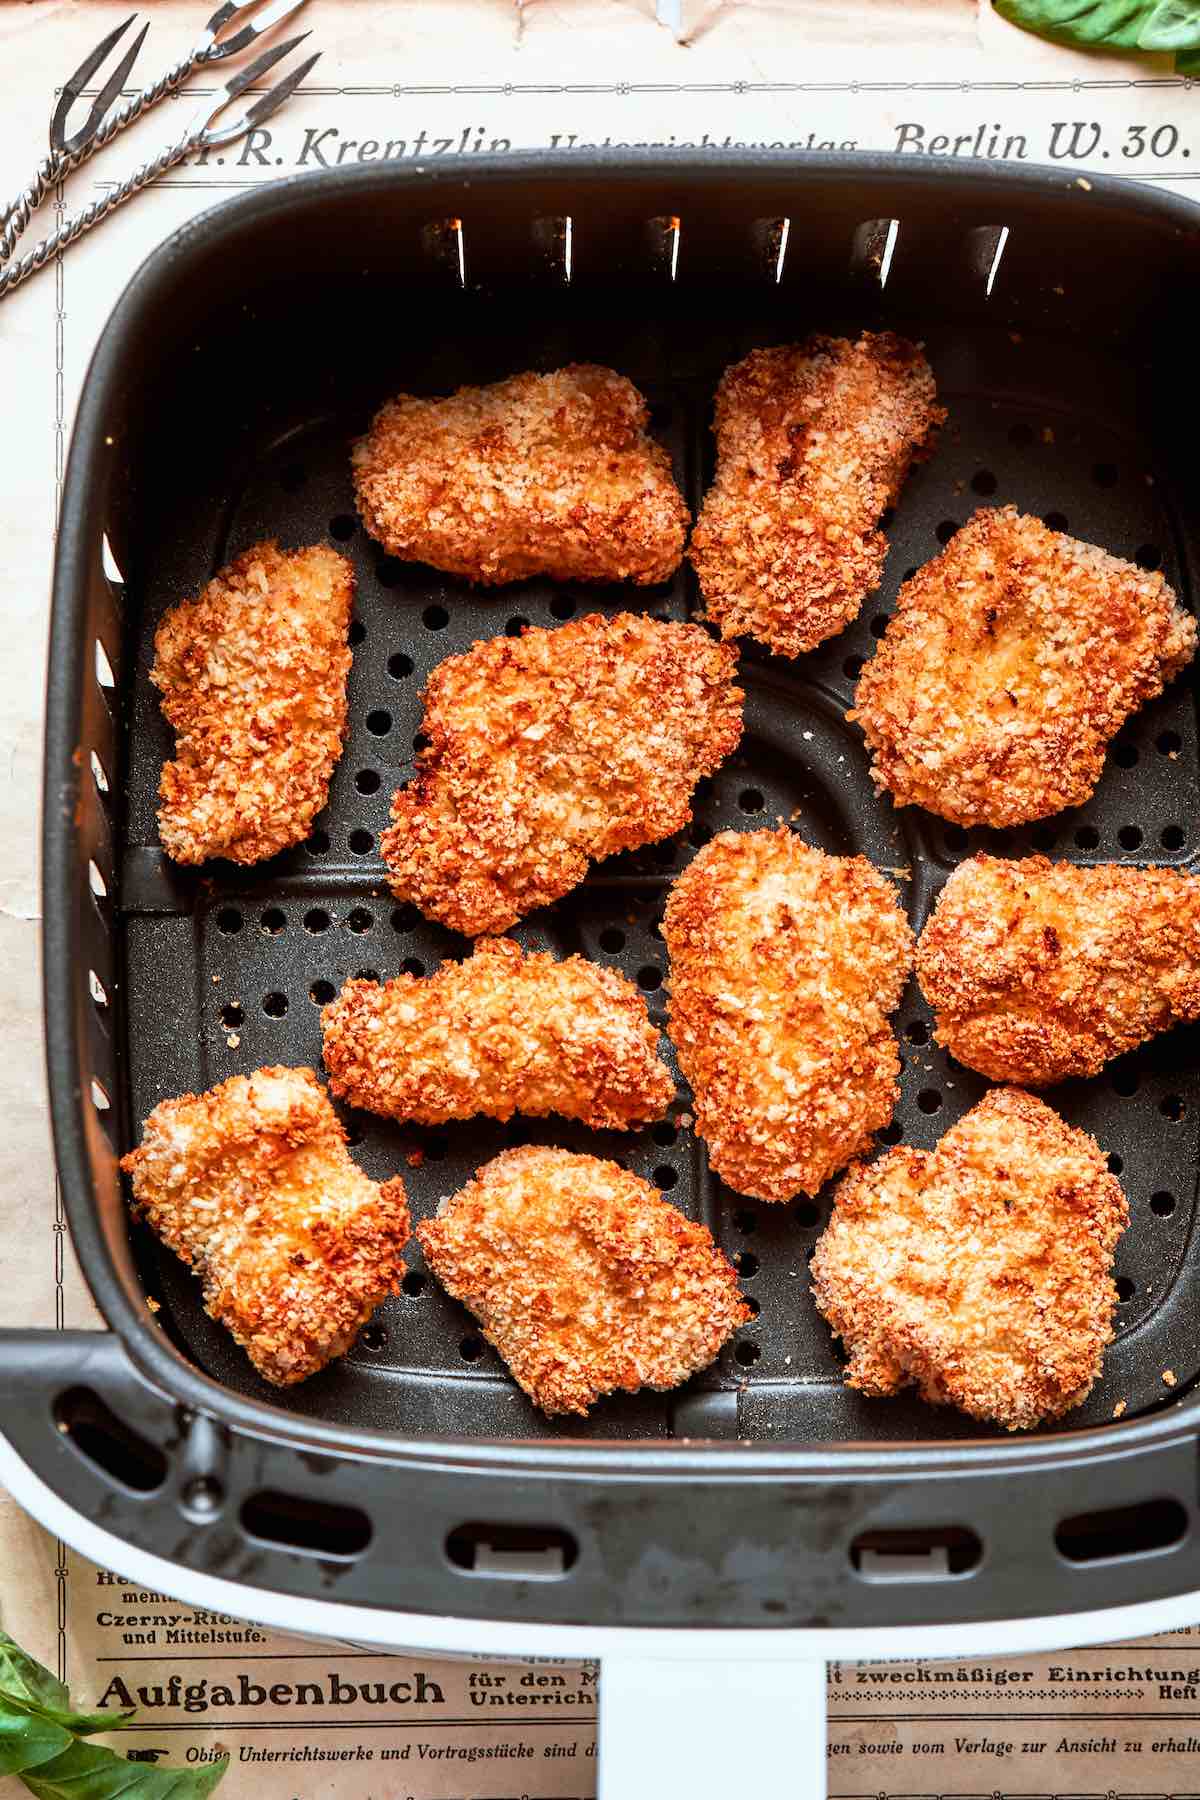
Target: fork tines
pixel 265 105
pixel 73 87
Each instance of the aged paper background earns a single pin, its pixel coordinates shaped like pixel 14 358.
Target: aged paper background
pixel 421 80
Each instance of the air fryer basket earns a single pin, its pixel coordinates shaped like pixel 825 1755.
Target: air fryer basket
pixel 220 408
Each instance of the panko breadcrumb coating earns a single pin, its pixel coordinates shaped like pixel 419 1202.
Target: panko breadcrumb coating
pixel 785 964
pixel 500 1033
pixel 253 680
pixel 537 475
pixel 1011 661
pixel 583 1277
pixel 980 1272
pixel 814 441
pixel 252 1185
pixel 550 749
pixel 1037 971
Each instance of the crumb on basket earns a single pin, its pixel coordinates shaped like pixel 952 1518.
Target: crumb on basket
pixel 415 1158
pixel 1169 1377
pixel 1119 1408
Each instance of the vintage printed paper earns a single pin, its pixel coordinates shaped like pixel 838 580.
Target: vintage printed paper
pixel 415 83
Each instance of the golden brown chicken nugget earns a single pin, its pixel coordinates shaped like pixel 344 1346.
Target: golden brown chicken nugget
pixel 785 964
pixel 1037 971
pixel 814 442
pixel 980 1272
pixel 253 679
pixel 500 1033
pixel 252 1185
pixel 551 749
pixel 537 475
pixel 583 1277
pixel 1010 662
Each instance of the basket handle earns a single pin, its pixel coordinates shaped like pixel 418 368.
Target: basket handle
pixel 707 1728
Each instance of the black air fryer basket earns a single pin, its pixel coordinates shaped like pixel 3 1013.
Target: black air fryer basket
pixel 1059 316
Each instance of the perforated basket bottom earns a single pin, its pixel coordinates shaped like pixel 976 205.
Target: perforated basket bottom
pixel 228 972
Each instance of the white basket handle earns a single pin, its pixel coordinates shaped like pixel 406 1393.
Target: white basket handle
pixel 705 1729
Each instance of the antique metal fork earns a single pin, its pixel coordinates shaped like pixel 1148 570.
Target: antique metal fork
pixel 229 31
pixel 63 148
pixel 225 35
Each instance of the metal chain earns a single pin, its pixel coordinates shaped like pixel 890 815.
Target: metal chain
pixel 90 215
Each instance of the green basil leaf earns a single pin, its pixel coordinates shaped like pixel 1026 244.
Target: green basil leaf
pixel 79 1724
pixel 1098 24
pixel 1152 25
pixel 90 1772
pixel 20 1674
pixel 1172 25
pixel 42 1741
pixel 26 1742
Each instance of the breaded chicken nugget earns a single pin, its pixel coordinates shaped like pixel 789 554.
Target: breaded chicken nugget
pixel 583 1277
pixel 550 749
pixel 252 1185
pixel 253 679
pixel 814 441
pixel 980 1272
pixel 785 963
pixel 1039 970
pixel 537 475
pixel 499 1033
pixel 1011 661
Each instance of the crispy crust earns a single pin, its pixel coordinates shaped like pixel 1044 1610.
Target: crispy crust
pixel 499 1033
pixel 814 442
pixel 537 475
pixel 252 1185
pixel 1038 971
pixel 583 1277
pixel 550 749
pixel 785 963
pixel 981 1272
pixel 1011 661
pixel 253 679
